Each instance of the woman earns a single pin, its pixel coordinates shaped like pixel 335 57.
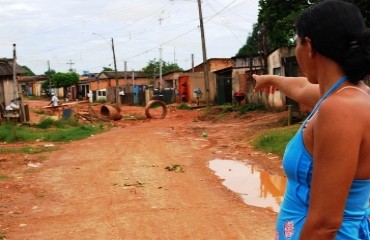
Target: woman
pixel 327 163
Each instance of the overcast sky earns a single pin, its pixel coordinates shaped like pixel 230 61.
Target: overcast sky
pixel 78 33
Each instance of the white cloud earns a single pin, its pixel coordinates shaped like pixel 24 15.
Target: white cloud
pixel 59 31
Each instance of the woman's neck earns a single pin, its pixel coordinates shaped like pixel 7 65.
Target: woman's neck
pixel 328 73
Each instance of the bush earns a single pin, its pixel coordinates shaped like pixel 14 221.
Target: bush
pixel 184 106
pixel 251 107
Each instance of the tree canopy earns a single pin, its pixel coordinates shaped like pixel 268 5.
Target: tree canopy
pixel 27 71
pixel 152 69
pixel 106 69
pixel 59 79
pixel 275 26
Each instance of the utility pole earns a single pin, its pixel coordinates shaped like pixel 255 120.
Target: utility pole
pixel 70 65
pixel 206 79
pixel 49 78
pixel 15 87
pixel 160 70
pixel 15 83
pixel 125 69
pixel 118 101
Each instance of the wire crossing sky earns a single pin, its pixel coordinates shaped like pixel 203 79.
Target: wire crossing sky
pixel 78 34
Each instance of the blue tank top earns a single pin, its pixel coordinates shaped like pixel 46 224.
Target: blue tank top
pixel 297 164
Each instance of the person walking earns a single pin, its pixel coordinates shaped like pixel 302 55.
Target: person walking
pixel 54 103
pixel 327 163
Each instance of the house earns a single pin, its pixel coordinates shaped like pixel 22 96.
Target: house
pixel 184 83
pixel 242 80
pixel 102 86
pixel 8 90
pixel 32 85
pixel 283 62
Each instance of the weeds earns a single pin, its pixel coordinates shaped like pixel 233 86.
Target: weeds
pixel 49 130
pixel 28 150
pixel 184 106
pixel 3 177
pixel 250 107
pixel 275 140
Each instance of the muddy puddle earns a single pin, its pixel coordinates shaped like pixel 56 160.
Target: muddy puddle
pixel 256 187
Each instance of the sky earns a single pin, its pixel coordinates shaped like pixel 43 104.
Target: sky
pixel 78 34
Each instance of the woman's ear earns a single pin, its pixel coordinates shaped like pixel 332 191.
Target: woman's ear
pixel 310 50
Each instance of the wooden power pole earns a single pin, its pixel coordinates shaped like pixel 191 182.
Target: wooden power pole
pixel 206 77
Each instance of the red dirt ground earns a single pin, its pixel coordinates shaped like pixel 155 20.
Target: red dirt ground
pixel 115 185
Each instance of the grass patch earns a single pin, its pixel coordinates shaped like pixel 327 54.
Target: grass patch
pixel 3 177
pixel 28 149
pixel 30 171
pixel 41 112
pixel 133 117
pixel 275 140
pixel 49 130
pixel 184 106
pixel 250 107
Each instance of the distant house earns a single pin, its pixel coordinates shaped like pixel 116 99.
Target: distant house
pixel 32 85
pixel 283 62
pixel 7 88
pixel 242 80
pixel 184 83
pixel 102 86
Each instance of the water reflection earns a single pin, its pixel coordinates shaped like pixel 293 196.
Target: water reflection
pixel 256 187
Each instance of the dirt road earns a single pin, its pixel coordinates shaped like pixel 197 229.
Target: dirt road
pixel 115 185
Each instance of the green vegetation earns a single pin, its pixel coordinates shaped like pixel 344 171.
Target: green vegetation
pixel 275 140
pixel 101 101
pixel 32 97
pixel 48 130
pixel 29 149
pixel 151 70
pixel 275 26
pixel 3 177
pixel 133 117
pixel 184 106
pixel 250 107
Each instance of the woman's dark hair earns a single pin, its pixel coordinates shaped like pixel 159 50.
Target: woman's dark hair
pixel 337 30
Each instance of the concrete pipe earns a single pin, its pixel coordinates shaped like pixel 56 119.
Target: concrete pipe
pixel 111 112
pixel 150 107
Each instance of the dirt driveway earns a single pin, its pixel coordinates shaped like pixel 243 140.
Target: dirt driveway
pixel 115 185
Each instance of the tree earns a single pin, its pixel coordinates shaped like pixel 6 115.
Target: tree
pixel 251 46
pixel 275 27
pixel 152 69
pixel 27 71
pixel 47 84
pixel 107 69
pixel 61 80
pixel 50 72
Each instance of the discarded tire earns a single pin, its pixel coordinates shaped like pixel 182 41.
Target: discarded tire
pixel 110 112
pixel 149 107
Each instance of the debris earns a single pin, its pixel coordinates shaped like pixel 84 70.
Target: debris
pixel 174 167
pixel 34 165
pixel 204 135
